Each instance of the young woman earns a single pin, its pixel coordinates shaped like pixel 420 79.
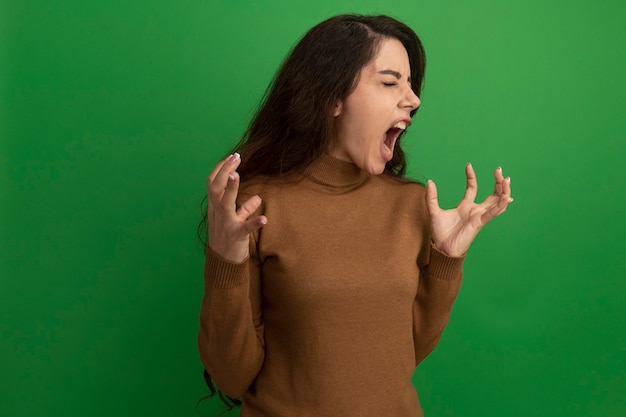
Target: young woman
pixel 328 276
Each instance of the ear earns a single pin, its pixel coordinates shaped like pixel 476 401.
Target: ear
pixel 338 108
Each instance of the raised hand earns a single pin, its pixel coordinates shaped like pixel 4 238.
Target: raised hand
pixel 454 230
pixel 229 228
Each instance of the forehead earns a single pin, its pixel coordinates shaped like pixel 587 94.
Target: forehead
pixel 391 54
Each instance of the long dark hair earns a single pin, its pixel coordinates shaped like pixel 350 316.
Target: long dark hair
pixel 294 123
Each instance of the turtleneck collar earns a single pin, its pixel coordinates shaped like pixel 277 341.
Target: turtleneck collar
pixel 335 173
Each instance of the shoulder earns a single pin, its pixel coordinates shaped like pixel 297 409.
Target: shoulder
pixel 403 186
pixel 266 186
pixel 252 187
pixel 404 194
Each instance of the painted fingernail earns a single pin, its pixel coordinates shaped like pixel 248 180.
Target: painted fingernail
pixel 508 179
pixel 231 177
pixel 236 156
pixel 511 200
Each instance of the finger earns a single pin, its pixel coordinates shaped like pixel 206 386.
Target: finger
pixel 216 169
pixel 217 183
pixel 255 224
pixel 247 209
pixel 503 190
pixel 506 189
pixel 230 158
pixel 497 190
pixel 471 187
pixel 496 209
pixel 432 201
pixel 210 180
pixel 229 198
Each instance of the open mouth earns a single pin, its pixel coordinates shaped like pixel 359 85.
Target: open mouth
pixel 392 135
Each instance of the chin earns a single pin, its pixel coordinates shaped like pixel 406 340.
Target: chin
pixel 375 169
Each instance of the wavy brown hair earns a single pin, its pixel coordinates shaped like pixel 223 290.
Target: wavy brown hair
pixel 294 123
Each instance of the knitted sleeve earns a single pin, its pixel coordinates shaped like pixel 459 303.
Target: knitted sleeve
pixel 230 340
pixel 438 287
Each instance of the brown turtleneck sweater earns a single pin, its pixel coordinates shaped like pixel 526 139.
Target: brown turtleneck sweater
pixel 341 298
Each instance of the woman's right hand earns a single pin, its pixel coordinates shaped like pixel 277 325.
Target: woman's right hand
pixel 229 228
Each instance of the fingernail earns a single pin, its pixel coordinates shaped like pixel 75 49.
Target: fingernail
pixel 508 179
pixel 469 164
pixel 231 177
pixel 263 221
pixel 511 200
pixel 236 155
pixel 500 169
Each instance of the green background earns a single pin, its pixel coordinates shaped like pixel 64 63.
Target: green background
pixel 112 114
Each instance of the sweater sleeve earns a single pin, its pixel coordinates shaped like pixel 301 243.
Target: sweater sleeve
pixel 230 340
pixel 439 284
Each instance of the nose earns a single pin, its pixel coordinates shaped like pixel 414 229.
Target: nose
pixel 410 101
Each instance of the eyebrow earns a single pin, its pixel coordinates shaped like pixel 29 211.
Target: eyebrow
pixel 392 72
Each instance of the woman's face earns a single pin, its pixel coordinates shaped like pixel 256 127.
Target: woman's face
pixel 370 119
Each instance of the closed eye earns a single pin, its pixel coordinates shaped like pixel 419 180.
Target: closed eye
pixel 390 84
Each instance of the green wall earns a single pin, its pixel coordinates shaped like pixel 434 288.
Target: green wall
pixel 112 113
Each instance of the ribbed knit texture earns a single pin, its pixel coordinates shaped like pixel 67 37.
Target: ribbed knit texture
pixel 340 299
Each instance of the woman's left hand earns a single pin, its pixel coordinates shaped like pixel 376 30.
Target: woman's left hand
pixel 454 230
